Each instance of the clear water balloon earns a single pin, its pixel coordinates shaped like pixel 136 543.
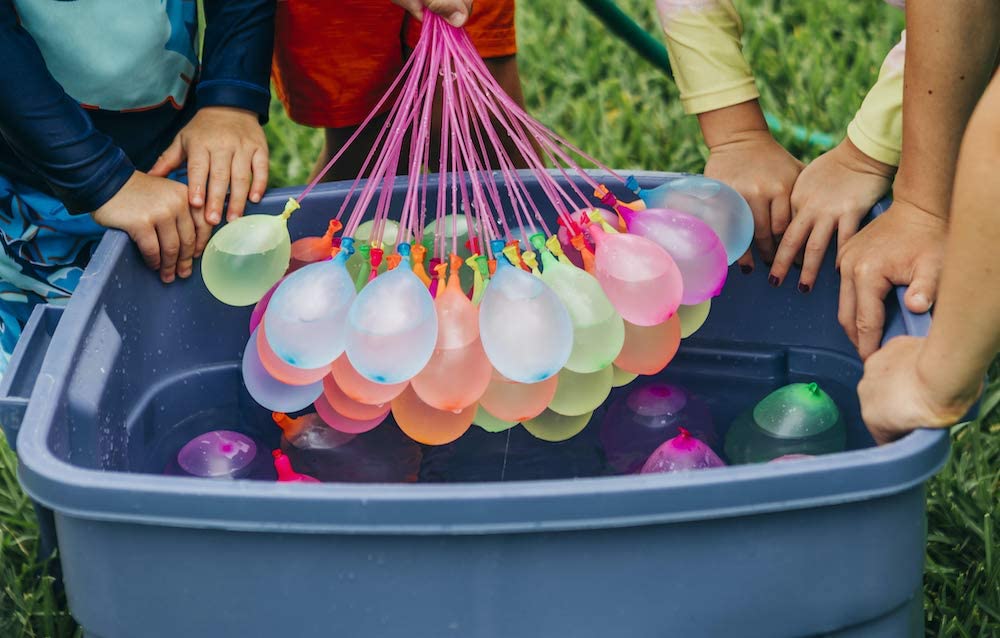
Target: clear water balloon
pixel 246 257
pixel 525 328
pixel 514 401
pixel 693 317
pixel 554 427
pixel 392 326
pixel 690 242
pixel 361 389
pixel 268 391
pixel 683 452
pixel 428 425
pixel 648 349
pixel 257 315
pixel 710 200
pixel 598 329
pixel 580 393
pixel 306 315
pixel 639 277
pixel 284 372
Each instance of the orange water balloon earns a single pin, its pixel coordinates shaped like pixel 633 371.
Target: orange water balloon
pixel 282 371
pixel 361 389
pixel 310 249
pixel 515 402
pixel 428 425
pixel 648 350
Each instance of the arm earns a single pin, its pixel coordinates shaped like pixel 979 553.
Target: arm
pixel 224 143
pixel 932 382
pixel 835 191
pixel 950 57
pixel 715 82
pixel 85 170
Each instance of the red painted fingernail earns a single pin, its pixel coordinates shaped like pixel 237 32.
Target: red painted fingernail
pixel 774 281
pixel 804 288
pixel 746 270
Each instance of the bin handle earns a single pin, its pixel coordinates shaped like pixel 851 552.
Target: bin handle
pixel 25 364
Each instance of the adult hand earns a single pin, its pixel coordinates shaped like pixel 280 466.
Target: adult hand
pixel 763 172
pixel 226 150
pixel 154 212
pixel 902 247
pixel 832 194
pixel 896 398
pixel 456 12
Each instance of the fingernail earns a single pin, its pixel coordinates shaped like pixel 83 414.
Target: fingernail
pixel 774 281
pixel 255 198
pixel 746 270
pixel 804 288
pixel 213 218
pixel 838 269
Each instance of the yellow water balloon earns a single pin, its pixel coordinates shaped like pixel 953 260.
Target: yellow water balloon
pixel 554 427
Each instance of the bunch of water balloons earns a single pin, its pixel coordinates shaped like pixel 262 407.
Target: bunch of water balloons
pixel 508 322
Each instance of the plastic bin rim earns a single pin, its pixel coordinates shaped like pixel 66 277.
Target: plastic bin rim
pixel 459 507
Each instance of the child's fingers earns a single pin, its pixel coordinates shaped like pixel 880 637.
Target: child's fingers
pixel 149 247
pixel 203 232
pixel 871 291
pixel 456 12
pixel 792 241
pixel 762 236
pixel 187 236
pixel 922 291
pixel 781 215
pixel 812 260
pixel 745 262
pixel 198 166
pixel 218 184
pixel 239 185
pixel 260 166
pixel 846 311
pixel 845 230
pixel 169 160
pixel 170 245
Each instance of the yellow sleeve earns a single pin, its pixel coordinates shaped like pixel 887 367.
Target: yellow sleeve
pixel 877 128
pixel 703 41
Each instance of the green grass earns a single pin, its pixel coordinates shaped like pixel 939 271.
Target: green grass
pixel 814 62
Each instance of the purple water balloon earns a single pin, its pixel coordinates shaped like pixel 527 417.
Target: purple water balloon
pixel 218 454
pixel 268 391
pixel 637 423
pixel 683 452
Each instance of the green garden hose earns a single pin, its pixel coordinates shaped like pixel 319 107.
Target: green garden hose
pixel 619 23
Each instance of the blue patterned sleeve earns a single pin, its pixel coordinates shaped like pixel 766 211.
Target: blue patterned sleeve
pixel 48 130
pixel 236 58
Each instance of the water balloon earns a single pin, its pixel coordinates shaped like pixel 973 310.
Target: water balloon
pixel 683 452
pixel 310 432
pixel 258 310
pixel 514 401
pixel 286 474
pixel 218 454
pixel 348 407
pixel 312 249
pixel 336 420
pixel 268 391
pixel 579 393
pixel 693 317
pixel 554 427
pixel 285 372
pixel 490 423
pixel 392 326
pixel 361 389
pixel 648 350
pixel 622 377
pixel 428 425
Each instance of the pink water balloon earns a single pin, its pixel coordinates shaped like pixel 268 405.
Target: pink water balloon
pixel 564 235
pixel 639 277
pixel 286 474
pixel 345 424
pixel 362 389
pixel 683 452
pixel 348 407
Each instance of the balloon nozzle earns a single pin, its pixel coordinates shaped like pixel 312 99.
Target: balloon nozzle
pixel 290 207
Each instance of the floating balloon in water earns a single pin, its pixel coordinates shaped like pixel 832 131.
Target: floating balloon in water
pixel 218 454
pixel 693 317
pixel 283 465
pixel 640 421
pixel 598 329
pixel 285 372
pixel 648 350
pixel 305 317
pixel 392 326
pixel 514 401
pixel 458 371
pixel 555 427
pixel 639 277
pixel 490 423
pixel 268 391
pixel 359 388
pixel 716 204
pixel 578 393
pixel 247 256
pixel 690 242
pixel 799 418
pixel 525 329
pixel 258 310
pixel 683 452
pixel 312 249
pixel 622 377
pixel 336 420
pixel 428 425
pixel 310 432
pixel 347 407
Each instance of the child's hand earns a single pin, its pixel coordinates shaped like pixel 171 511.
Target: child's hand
pixel 896 398
pixel 902 247
pixel 456 12
pixel 226 148
pixel 832 194
pixel 155 214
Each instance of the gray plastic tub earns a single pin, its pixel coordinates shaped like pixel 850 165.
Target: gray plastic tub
pixel 831 546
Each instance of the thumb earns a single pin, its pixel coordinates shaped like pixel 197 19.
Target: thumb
pixel 169 160
pixel 922 291
pixel 456 12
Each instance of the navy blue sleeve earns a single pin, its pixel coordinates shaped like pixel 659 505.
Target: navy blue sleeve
pixel 48 130
pixel 236 56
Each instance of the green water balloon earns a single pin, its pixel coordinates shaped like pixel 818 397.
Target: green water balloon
pixel 490 423
pixel 578 393
pixel 693 317
pixel 622 377
pixel 554 427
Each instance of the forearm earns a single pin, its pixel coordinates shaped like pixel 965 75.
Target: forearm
pixel 950 57
pixel 728 123
pixel 965 335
